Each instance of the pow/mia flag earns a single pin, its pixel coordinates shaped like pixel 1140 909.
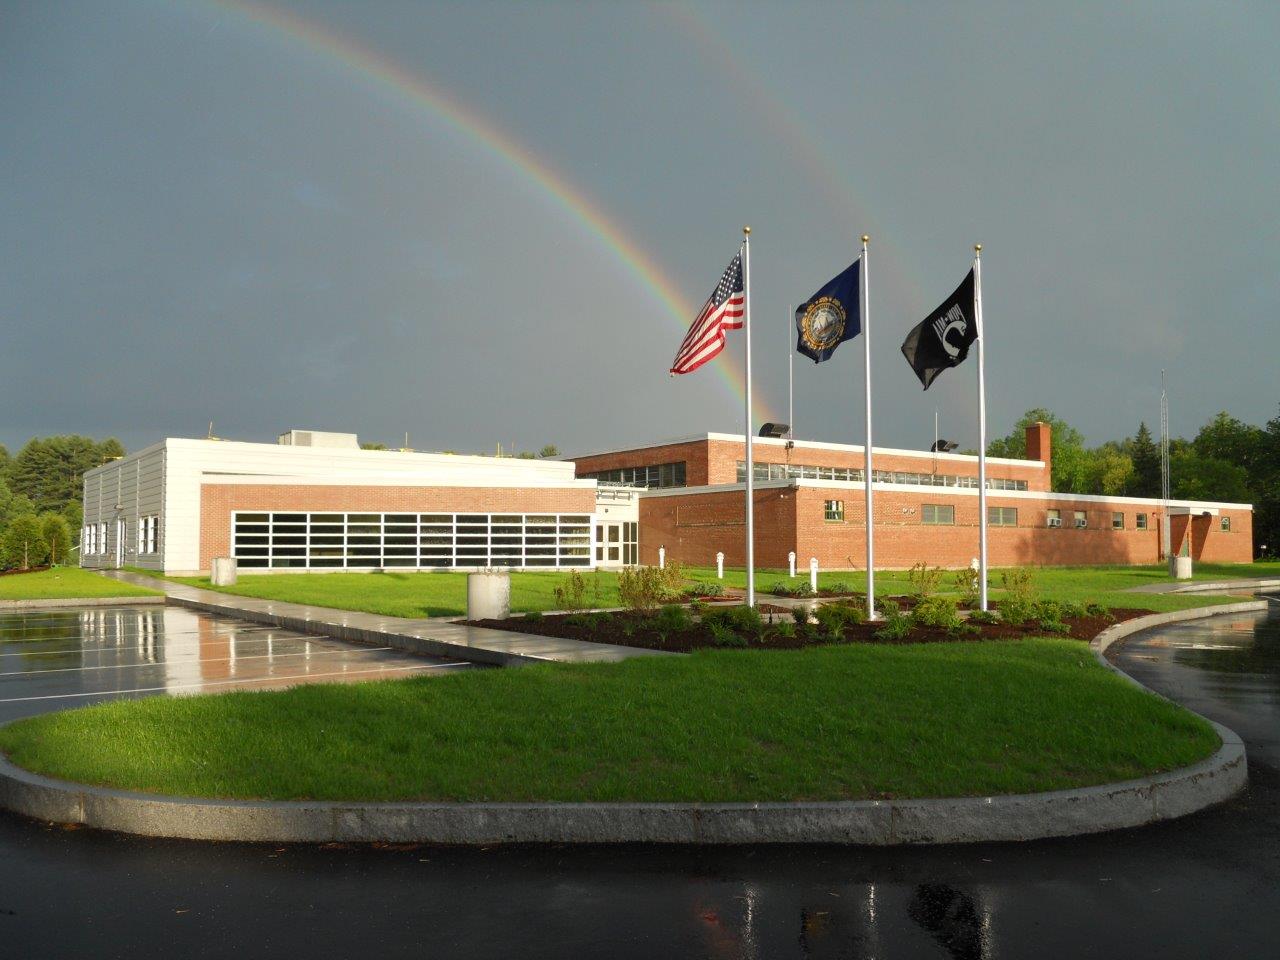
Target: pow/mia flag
pixel 831 316
pixel 942 339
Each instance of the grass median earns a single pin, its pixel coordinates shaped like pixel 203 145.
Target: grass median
pixel 828 723
pixel 66 583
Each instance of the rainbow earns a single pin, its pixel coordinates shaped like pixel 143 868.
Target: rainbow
pixel 380 71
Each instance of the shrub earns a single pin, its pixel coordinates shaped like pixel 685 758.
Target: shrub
pixel 983 616
pixel 742 620
pixel 969 586
pixel 1098 610
pixel 1072 610
pixel 642 588
pixel 711 589
pixel 1053 626
pixel 839 586
pixel 792 588
pixel 1019 604
pixel 571 592
pixel 785 629
pixel 897 625
pixel 672 619
pixel 1047 610
pixel 533 616
pixel 697 608
pixel 723 635
pixel 832 619
pixel 1018 584
pixel 800 615
pixel 589 621
pixel 936 612
pixel 924 579
pixel 1015 612
pixel 967 629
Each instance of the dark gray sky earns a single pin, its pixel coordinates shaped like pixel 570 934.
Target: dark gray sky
pixel 209 211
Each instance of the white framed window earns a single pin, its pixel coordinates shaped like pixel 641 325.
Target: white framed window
pixel 1117 520
pixel 1002 516
pixel 1081 519
pixel 413 540
pixel 142 535
pixel 938 514
pixel 1225 523
pixel 833 510
pixel 102 539
pixel 1054 518
pixel 1140 521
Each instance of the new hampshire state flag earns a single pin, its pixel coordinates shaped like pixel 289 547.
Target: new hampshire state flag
pixel 831 316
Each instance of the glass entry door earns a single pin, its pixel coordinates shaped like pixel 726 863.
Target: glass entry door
pixel 617 544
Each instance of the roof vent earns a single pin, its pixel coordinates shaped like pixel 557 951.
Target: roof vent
pixel 319 438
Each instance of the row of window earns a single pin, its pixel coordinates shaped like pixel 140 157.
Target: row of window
pixel 93 540
pixel 792 471
pixel 439 540
pixel 657 475
pixel 148 535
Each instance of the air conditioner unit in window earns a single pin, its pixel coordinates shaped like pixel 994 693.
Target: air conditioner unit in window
pixel 1055 521
pixel 1081 524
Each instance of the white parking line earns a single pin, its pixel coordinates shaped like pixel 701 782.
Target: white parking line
pixel 220 683
pixel 323 643
pixel 188 660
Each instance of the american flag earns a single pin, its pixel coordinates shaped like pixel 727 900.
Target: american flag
pixel 721 312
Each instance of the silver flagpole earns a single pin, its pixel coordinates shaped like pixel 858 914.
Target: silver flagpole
pixel 865 309
pixel 982 427
pixel 791 382
pixel 746 325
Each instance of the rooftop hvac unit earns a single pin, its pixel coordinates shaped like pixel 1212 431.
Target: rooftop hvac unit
pixel 1055 521
pixel 1081 523
pixel 319 438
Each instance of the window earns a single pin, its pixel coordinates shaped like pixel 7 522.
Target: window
pixel 1117 521
pixel 1082 519
pixel 1140 521
pixel 375 540
pixel 938 514
pixel 1226 524
pixel 1002 516
pixel 833 510
pixel 658 475
pixel 102 539
pixel 1054 518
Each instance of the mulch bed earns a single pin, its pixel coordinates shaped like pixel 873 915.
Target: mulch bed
pixel 636 630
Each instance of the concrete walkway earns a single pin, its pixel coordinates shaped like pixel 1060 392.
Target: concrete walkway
pixel 1207 586
pixel 432 636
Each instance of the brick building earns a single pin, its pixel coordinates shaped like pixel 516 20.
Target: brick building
pixel 810 499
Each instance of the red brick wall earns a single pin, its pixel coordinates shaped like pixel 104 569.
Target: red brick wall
pixel 694 527
pixel 694 454
pixel 218 500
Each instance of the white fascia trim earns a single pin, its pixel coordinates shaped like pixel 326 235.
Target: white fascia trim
pixel 216 479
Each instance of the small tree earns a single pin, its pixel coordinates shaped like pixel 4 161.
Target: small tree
pixel 550 450
pixel 23 546
pixel 56 534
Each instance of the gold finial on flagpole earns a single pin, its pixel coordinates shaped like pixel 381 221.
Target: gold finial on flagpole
pixel 866 238
pixel 977 248
pixel 746 231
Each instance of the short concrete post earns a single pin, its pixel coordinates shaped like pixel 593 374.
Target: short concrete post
pixel 1182 568
pixel 719 564
pixel 791 562
pixel 813 574
pixel 223 572
pixel 489 595
pixel 662 558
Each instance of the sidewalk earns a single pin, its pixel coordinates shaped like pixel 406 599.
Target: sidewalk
pixel 434 637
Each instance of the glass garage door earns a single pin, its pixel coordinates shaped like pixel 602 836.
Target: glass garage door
pixel 413 540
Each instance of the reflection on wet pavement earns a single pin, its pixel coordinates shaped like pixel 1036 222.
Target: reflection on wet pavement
pixel 57 659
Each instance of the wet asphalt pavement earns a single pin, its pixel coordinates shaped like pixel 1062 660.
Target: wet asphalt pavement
pixel 1204 886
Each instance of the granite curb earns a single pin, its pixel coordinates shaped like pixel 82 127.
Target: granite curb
pixel 141 600
pixel 1061 813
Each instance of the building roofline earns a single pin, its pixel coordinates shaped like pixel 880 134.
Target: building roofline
pixel 813 445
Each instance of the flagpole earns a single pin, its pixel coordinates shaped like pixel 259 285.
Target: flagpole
pixel 982 427
pixel 746 326
pixel 865 310
pixel 791 388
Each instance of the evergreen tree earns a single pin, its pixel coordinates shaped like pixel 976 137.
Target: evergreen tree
pixel 1146 463
pixel 49 470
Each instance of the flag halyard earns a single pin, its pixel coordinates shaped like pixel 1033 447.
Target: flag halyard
pixel 722 311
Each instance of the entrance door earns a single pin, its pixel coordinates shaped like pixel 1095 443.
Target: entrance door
pixel 609 544
pixel 119 542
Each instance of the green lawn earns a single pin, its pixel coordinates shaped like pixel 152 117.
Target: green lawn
pixel 828 723
pixel 62 583
pixel 410 595
pixel 417 595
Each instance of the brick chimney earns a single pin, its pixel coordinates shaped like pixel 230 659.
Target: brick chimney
pixel 1039 447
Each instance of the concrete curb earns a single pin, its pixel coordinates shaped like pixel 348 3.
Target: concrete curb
pixel 1113 806
pixel 9 605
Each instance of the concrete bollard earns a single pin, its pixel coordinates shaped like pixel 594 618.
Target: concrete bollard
pixel 1180 567
pixel 662 558
pixel 720 565
pixel 791 563
pixel 223 572
pixel 813 574
pixel 489 595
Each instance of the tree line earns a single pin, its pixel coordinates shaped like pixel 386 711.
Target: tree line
pixel 1228 460
pixel 40 491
